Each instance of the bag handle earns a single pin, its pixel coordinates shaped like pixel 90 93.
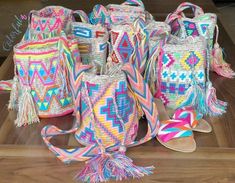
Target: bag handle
pixel 134 3
pixel 100 15
pixel 146 100
pixel 186 5
pixel 178 13
pixel 83 16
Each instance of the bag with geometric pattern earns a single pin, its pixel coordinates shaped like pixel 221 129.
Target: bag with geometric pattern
pixel 106 123
pixel 92 41
pixel 183 77
pixel 41 86
pixel 202 24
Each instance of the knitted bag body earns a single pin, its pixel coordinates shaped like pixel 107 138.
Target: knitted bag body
pixel 181 62
pixel 41 72
pixel 129 44
pixel 202 24
pixel 51 18
pixel 182 77
pixel 92 41
pixel 103 97
pixel 107 123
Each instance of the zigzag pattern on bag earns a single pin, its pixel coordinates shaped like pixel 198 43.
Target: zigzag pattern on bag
pixel 146 99
pixel 38 69
pixel 51 93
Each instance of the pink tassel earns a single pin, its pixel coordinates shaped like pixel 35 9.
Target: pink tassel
pixel 219 65
pixel 116 166
pixel 27 113
pixel 216 107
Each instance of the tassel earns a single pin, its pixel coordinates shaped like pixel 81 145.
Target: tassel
pixel 14 94
pixel 219 65
pixel 27 113
pixel 195 97
pixel 216 107
pixel 116 166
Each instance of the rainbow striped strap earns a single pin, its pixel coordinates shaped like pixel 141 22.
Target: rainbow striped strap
pixel 146 100
pixel 174 128
pixel 188 114
pixel 6 85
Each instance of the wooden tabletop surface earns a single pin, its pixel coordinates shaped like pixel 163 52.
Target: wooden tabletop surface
pixel 24 157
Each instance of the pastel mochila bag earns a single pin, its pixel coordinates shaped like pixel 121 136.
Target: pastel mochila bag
pixel 51 18
pixel 202 24
pixel 129 44
pixel 183 76
pixel 92 41
pixel 106 123
pixel 51 21
pixel 41 86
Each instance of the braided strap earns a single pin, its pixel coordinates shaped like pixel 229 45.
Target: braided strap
pixel 82 15
pixel 146 100
pixel 174 128
pixel 178 13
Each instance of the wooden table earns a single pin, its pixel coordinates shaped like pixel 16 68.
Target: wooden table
pixel 24 157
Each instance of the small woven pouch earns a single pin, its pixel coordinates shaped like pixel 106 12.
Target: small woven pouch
pixel 41 86
pixel 202 24
pixel 125 13
pixel 107 123
pixel 92 41
pixel 183 80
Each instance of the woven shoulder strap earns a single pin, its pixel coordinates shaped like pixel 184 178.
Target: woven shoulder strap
pixel 82 15
pixel 134 3
pixel 197 11
pixel 146 100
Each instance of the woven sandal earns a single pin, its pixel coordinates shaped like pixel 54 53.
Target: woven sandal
pixel 175 134
pixel 197 123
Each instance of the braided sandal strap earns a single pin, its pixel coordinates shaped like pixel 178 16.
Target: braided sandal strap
pixel 188 114
pixel 173 128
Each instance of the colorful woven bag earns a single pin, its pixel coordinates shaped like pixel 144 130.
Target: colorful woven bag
pixel 129 44
pixel 41 84
pixel 202 24
pixel 125 13
pixel 107 123
pixel 51 18
pixel 183 80
pixel 92 41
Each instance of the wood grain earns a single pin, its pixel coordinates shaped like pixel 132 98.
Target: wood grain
pixel 25 158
